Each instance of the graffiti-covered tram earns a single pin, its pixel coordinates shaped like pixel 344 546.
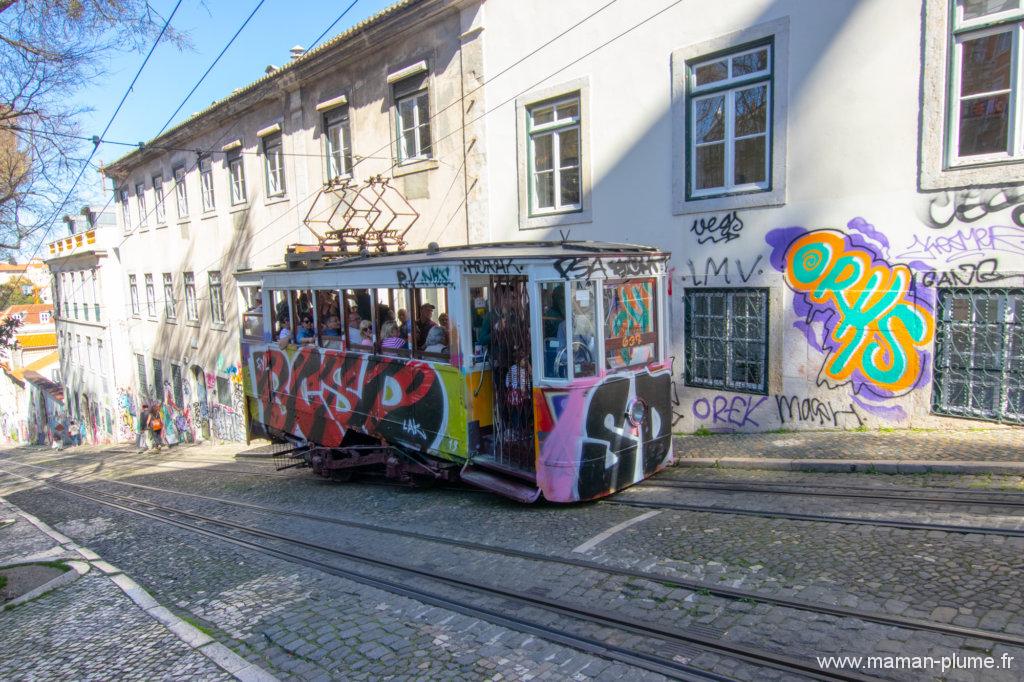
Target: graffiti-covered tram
pixel 529 369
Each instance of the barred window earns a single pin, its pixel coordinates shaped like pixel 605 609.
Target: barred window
pixel 727 339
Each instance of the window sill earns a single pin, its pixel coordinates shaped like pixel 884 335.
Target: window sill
pixel 218 326
pixel 414 166
pixel 192 323
pixel 235 208
pixel 276 199
pixel 183 221
pixel 728 202
pixel 170 321
pixel 208 214
pixel 548 220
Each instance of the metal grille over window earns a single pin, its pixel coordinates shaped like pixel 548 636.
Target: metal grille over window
pixel 510 364
pixel 554 155
pixel 727 339
pixel 979 360
pixel 729 113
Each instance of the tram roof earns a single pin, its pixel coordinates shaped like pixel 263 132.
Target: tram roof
pixel 315 260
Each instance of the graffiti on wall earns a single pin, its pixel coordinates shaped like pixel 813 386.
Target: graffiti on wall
pixel 716 271
pixel 126 412
pixel 612 452
pixel 796 410
pixel 875 323
pixel 722 412
pixel 318 394
pixel 717 229
pixel 971 205
pixel 433 276
pixel 587 268
pixel 227 423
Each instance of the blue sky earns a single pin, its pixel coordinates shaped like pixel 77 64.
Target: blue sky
pixel 171 72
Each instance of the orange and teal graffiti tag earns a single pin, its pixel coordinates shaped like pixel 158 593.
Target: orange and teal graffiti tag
pixel 880 331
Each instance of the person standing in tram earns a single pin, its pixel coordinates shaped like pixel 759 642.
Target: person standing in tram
pixel 424 324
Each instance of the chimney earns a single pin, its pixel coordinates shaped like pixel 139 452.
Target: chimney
pixel 270 69
pixel 297 52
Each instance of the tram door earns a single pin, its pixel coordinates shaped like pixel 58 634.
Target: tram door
pixel 510 364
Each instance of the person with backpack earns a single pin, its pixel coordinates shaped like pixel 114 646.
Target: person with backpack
pixel 155 424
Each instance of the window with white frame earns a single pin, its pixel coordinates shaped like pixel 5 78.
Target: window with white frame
pixel 159 207
pixel 554 156
pixel 412 118
pixel 140 198
pixel 88 353
pixel 236 177
pixel 133 294
pixel 216 297
pixel 126 214
pixel 985 112
pixel 337 143
pixel 180 192
pixel 727 339
pixel 206 183
pixel 729 105
pixel 170 310
pixel 191 307
pixel 150 296
pixel 273 164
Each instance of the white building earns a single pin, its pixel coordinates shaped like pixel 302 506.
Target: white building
pixel 839 183
pixel 87 283
pixel 373 101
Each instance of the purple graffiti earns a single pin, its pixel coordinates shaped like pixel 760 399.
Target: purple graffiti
pixel 721 410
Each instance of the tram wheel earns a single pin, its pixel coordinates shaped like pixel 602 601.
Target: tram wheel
pixel 342 475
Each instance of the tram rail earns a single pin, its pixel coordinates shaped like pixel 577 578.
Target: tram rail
pixel 735 594
pixel 646 660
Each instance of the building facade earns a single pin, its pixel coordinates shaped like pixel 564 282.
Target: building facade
pixel 373 102
pixel 839 184
pixel 30 402
pixel 87 283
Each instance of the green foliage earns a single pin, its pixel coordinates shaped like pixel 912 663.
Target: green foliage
pixel 8 328
pixel 702 431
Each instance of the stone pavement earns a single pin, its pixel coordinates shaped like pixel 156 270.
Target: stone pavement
pixel 102 625
pixel 997 450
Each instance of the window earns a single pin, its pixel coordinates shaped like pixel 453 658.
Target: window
pixel 338 144
pixel 554 156
pixel 140 365
pixel 252 318
pixel 140 197
pixel 359 319
pixel 216 298
pixel 979 354
pixel 570 342
pixel 630 323
pixel 728 121
pixel 223 391
pixel 431 330
pixel 99 356
pixel 126 215
pixel 94 281
pixel 206 183
pixel 191 307
pixel 236 177
pixel 727 339
pixel 44 318
pixel 180 192
pixel 79 360
pixel 273 159
pixel 150 296
pixel 730 107
pixel 158 378
pixel 170 309
pixel 176 390
pixel 133 291
pixel 88 353
pixel 412 118
pixel 159 207
pixel 395 327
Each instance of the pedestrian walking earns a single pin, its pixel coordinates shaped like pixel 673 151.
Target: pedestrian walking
pixel 156 425
pixel 142 426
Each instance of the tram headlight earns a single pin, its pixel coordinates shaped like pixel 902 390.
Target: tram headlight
pixel 636 411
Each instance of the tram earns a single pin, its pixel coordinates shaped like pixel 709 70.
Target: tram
pixel 529 369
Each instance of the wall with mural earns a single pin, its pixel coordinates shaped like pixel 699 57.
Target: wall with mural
pixel 855 312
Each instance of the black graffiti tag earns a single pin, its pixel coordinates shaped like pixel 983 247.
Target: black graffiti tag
pixel 717 229
pixel 424 277
pixel 966 274
pixel 793 409
pixel 971 205
pixel 725 269
pixel 491 266
pixel 579 268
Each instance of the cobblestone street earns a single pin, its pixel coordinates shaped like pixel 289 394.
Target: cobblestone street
pixel 363 580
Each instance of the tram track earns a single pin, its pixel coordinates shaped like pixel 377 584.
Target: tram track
pixel 664 635
pixel 733 594
pixel 824 491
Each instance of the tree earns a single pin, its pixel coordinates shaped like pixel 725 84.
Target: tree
pixel 50 49
pixel 8 329
pixel 13 292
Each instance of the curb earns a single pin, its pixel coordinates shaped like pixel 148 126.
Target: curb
pixel 876 466
pixel 223 657
pixel 78 569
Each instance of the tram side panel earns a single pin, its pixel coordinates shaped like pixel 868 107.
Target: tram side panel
pixel 588 446
pixel 317 394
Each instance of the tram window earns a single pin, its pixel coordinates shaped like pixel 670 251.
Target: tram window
pixel 552 299
pixel 393 317
pixel 328 315
pixel 432 328
pixel 583 351
pixel 630 329
pixel 480 322
pixel 303 319
pixel 282 316
pixel 252 316
pixel 359 319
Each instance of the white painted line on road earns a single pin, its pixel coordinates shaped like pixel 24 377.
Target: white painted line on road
pixel 601 537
